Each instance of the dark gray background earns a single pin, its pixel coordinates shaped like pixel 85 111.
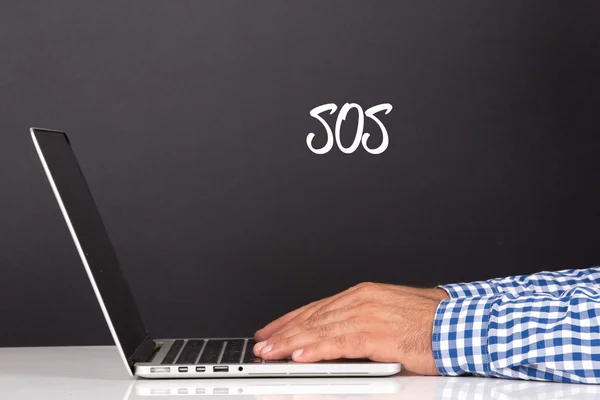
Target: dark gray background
pixel 189 119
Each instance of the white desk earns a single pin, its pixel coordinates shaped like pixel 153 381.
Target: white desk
pixel 66 373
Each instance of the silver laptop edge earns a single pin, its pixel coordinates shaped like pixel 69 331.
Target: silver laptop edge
pixel 153 368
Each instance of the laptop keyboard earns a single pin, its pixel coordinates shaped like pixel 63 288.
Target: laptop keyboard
pixel 173 352
pixel 212 351
pixel 190 352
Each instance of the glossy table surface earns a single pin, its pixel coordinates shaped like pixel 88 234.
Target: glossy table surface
pixel 97 373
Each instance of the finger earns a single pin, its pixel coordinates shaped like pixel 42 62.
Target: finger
pixel 306 314
pixel 284 348
pixel 335 301
pixel 300 315
pixel 271 327
pixel 329 317
pixel 298 318
pixel 353 345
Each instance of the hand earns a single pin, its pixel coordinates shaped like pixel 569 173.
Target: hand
pixel 385 323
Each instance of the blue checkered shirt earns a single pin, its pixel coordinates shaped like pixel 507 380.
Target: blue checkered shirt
pixel 544 326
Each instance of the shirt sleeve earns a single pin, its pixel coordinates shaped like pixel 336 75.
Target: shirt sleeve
pixel 554 283
pixel 538 336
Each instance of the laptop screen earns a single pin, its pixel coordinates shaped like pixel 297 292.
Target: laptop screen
pixel 91 239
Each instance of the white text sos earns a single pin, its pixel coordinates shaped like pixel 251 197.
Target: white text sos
pixel 360 136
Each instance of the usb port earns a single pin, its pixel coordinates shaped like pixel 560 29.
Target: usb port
pixel 221 368
pixel 183 369
pixel 200 369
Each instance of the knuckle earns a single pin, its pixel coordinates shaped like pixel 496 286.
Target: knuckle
pixel 361 286
pixel 368 305
pixel 348 324
pixel 321 330
pixel 367 286
pixel 341 341
pixel 314 320
pixel 319 312
pixel 284 343
pixel 359 341
pixel 274 338
pixel 308 324
pixel 280 330
pixel 360 344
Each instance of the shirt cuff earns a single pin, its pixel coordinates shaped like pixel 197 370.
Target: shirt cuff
pixel 460 336
pixel 472 289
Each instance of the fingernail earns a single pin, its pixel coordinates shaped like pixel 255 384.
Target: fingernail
pixel 297 353
pixel 258 346
pixel 266 349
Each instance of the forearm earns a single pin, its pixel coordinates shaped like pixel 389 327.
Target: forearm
pixel 554 283
pixel 537 336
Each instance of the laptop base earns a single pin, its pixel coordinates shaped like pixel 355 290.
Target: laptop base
pixel 233 358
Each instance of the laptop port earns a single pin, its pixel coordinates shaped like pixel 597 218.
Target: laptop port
pixel 160 370
pixel 200 369
pixel 183 369
pixel 221 368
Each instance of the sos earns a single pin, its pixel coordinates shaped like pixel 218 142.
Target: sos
pixel 360 136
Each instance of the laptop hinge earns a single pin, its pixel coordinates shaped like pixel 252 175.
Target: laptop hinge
pixel 144 353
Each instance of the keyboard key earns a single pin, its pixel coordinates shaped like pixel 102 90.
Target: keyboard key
pixel 249 356
pixel 233 352
pixel 172 353
pixel 190 352
pixel 211 352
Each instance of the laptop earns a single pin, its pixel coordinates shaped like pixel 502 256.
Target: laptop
pixel 142 354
